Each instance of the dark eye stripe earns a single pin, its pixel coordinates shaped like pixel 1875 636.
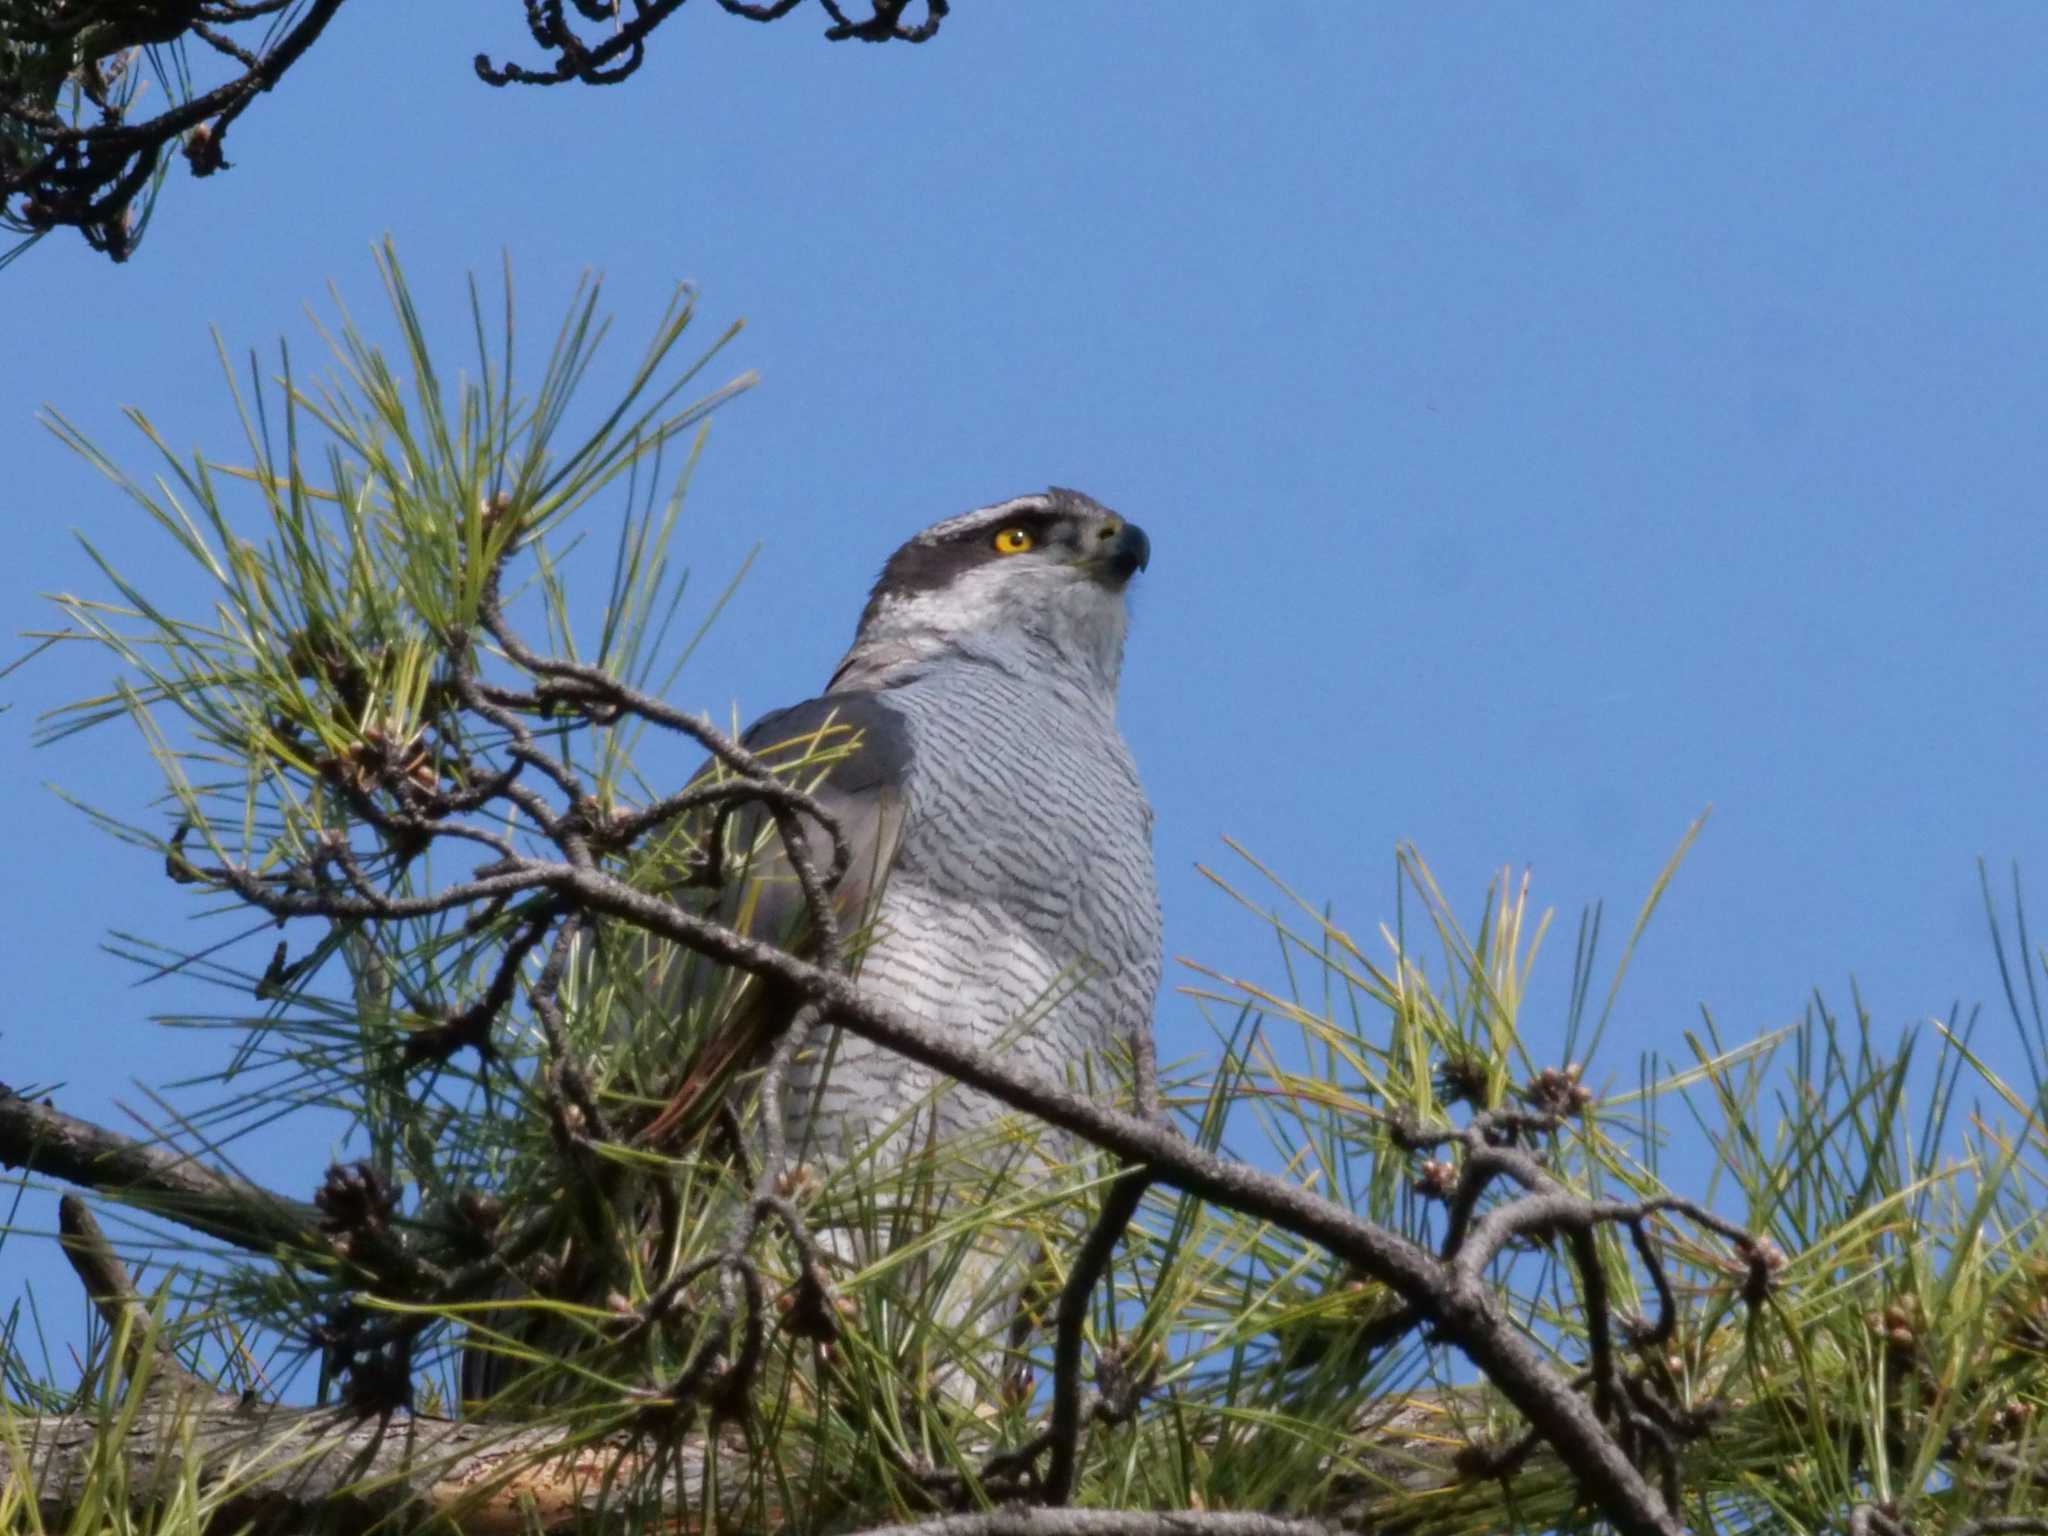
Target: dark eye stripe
pixel 934 560
pixel 919 567
pixel 1038 524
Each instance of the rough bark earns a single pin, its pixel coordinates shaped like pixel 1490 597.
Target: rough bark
pixel 293 1468
pixel 290 1468
pixel 150 1176
pixel 274 1468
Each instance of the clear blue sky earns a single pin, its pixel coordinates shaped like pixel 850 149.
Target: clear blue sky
pixel 1549 421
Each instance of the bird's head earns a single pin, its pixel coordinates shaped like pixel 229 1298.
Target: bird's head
pixel 1028 583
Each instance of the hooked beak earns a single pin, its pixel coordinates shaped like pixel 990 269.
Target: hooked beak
pixel 1121 549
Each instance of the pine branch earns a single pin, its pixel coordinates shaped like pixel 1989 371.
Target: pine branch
pixel 577 1205
pixel 151 1176
pixel 279 1469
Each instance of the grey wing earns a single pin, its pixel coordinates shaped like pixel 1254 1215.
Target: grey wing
pixel 852 753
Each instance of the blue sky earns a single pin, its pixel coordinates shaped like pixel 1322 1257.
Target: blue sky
pixel 1549 421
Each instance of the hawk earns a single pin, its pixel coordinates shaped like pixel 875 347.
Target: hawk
pixel 1001 841
pixel 1000 886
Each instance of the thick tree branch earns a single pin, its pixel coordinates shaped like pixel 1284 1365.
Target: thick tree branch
pixel 1026 1521
pixel 282 1469
pixel 151 1176
pixel 286 1470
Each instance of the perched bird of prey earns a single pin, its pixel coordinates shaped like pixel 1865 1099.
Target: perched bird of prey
pixel 1001 841
pixel 1001 884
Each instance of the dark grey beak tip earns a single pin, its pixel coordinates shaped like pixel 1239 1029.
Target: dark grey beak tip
pixel 1132 553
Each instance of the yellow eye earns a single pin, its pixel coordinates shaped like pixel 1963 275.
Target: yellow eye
pixel 1014 541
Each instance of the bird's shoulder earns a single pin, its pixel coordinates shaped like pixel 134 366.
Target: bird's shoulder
pixel 854 740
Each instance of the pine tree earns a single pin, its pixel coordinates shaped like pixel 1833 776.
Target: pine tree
pixel 1441 1288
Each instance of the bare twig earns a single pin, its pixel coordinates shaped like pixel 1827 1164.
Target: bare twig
pixel 112 1292
pixel 624 48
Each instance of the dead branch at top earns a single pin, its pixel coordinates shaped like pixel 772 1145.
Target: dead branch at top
pixel 75 153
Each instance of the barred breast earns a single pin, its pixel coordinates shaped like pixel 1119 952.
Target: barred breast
pixel 1021 911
